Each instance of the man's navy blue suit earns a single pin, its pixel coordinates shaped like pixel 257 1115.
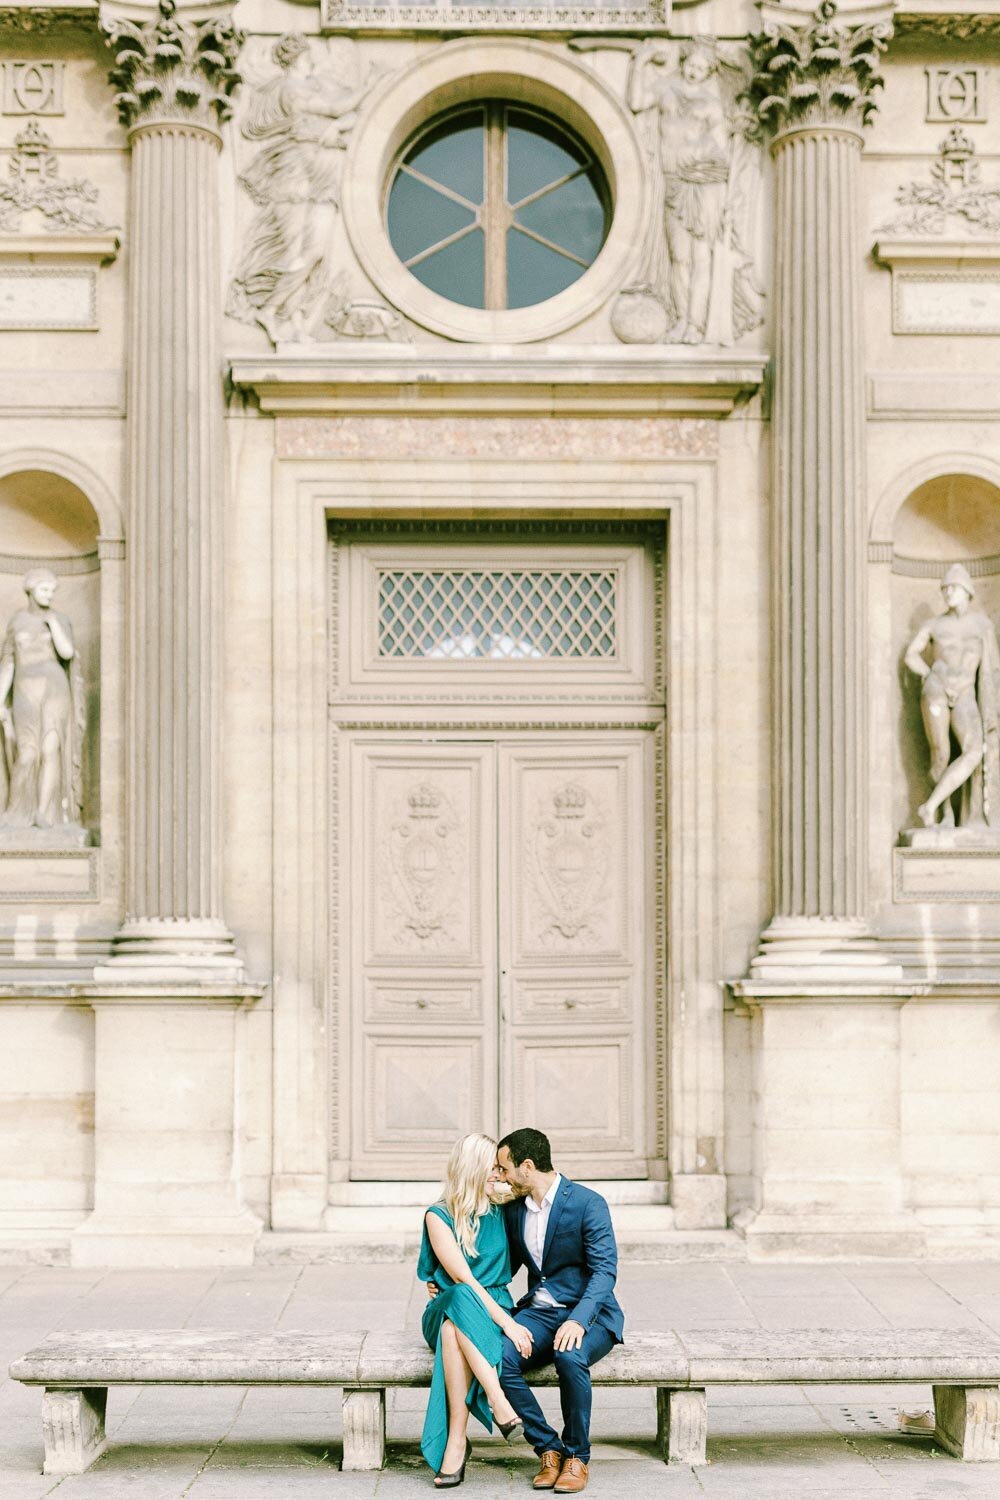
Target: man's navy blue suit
pixel 579 1269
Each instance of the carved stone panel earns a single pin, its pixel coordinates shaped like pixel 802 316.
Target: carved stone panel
pixel 574 882
pixel 422 939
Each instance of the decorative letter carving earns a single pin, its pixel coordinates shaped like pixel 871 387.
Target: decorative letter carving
pixel 42 714
pixel 165 69
pixel 35 184
pixel 821 74
pixel 33 88
pixel 954 190
pixel 285 280
pixel 697 282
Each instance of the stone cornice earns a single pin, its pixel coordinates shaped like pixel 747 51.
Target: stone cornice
pixel 572 379
pixel 822 73
pixel 173 70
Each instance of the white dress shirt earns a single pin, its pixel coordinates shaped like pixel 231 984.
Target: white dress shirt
pixel 536 1221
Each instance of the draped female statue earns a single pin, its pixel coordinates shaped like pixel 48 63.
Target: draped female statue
pixel 42 711
pixel 305 117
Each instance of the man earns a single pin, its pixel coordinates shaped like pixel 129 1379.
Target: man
pixel 562 1233
pixel 959 697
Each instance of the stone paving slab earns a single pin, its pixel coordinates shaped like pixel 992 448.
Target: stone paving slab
pixel 765 1443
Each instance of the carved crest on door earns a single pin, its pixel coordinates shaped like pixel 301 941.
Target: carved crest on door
pixel 425 855
pixel 571 853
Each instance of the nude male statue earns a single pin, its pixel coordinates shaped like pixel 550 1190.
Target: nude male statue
pixel 959 697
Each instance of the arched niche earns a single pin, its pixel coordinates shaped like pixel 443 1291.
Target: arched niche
pixel 46 520
pixel 946 518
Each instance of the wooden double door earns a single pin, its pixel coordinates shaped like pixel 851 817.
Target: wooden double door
pixel 497 905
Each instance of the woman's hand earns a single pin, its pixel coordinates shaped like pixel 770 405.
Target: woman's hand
pixel 519 1336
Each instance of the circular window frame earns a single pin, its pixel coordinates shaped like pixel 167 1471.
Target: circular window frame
pixel 522 73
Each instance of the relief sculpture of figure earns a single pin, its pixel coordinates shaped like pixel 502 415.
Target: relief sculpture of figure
pixel 704 163
pixel 42 711
pixel 284 278
pixel 960 698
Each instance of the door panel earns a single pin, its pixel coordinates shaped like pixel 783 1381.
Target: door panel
pixel 423 927
pixel 573 939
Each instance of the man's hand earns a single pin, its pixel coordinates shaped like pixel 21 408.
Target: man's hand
pixel 569 1335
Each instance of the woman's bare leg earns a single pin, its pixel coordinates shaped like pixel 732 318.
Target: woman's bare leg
pixel 487 1377
pixel 457 1379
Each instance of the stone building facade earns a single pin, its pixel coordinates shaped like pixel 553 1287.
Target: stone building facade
pixel 499 568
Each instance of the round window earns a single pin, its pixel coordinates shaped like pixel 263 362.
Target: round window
pixel 496 206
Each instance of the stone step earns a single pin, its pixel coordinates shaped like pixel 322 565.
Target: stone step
pixel 650 1246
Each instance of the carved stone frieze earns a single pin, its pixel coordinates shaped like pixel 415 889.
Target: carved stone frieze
pixel 821 74
pixel 698 280
pixel 946 27
pixel 286 279
pixel 34 183
pixel 41 19
pixel 168 69
pixel 951 192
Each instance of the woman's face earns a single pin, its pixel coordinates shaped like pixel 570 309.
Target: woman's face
pixel 44 592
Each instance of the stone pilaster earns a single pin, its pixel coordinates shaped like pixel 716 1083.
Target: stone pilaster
pixel 174 81
pixel 814 89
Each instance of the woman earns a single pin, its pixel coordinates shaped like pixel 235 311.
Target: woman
pixel 464 1253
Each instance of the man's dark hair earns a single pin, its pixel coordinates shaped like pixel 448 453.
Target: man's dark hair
pixel 528 1145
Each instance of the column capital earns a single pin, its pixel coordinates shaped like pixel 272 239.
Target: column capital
pixel 820 73
pixel 171 70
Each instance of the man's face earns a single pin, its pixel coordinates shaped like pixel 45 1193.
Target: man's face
pixel 696 67
pixel 514 1177
pixel 956 597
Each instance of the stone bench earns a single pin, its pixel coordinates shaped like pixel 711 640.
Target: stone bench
pixel 76 1370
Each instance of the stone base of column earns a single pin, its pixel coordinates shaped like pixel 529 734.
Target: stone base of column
pixel 698 1200
pixel 298 1201
pixel 822 950
pixel 167 1129
pixel 164 951
pixel 831 1237
pixel 174 1242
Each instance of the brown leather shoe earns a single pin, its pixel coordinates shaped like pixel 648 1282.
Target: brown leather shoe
pixel 573 1478
pixel 551 1467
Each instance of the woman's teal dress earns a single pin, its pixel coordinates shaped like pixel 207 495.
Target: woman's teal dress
pixel 491 1268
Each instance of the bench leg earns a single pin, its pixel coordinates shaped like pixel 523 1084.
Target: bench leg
pixel 73 1429
pixel 364 1430
pixel 967 1420
pixel 681 1425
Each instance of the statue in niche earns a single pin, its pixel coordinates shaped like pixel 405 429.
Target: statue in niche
pixel 284 279
pixel 697 282
pixel 960 700
pixel 42 720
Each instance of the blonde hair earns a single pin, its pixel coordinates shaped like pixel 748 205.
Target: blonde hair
pixel 465 1193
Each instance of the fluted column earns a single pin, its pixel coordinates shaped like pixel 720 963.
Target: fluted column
pixel 813 91
pixel 174 82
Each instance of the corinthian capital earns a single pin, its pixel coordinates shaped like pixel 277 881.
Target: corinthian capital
pixel 169 69
pixel 821 73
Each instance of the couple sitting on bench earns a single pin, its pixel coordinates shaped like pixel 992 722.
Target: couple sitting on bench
pixel 475 1238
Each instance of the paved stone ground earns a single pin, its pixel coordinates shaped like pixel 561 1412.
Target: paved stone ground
pixel 769 1444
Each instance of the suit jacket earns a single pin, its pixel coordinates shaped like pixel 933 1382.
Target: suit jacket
pixel 579 1257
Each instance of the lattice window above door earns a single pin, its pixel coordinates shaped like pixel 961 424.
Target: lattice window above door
pixel 498 614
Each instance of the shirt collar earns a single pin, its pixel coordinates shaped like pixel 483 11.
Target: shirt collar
pixel 547 1201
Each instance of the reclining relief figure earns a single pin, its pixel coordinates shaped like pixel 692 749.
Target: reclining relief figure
pixel 42 711
pixel 959 698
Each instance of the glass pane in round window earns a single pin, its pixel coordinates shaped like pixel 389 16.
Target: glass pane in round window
pixel 496 206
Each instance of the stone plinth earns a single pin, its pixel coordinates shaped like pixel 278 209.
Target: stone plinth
pixel 167 1126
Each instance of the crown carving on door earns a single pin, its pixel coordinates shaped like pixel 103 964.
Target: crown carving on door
pixel 570 801
pixel 424 801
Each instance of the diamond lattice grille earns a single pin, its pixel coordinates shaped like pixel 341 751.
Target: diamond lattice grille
pixel 509 614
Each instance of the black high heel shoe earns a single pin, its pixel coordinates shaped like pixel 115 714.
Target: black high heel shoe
pixel 511 1431
pixel 444 1481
